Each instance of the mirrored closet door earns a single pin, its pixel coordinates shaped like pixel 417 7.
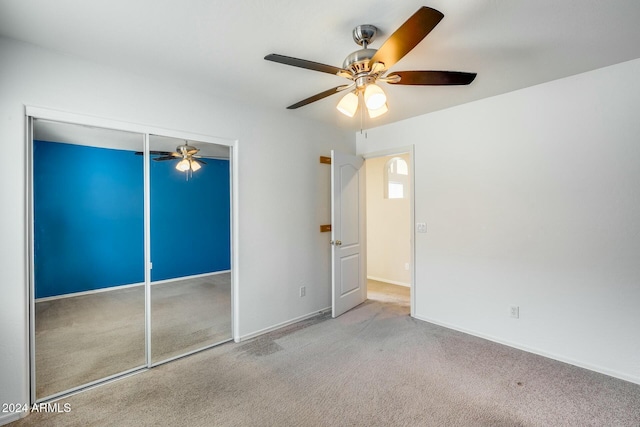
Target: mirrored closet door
pixel 104 204
pixel 87 272
pixel 190 246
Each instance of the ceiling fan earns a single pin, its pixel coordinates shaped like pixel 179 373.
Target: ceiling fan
pixel 366 67
pixel 188 157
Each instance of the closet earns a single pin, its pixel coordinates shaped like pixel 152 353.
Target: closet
pixel 130 250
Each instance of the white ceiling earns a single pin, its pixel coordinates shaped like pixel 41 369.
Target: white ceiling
pixel 218 46
pixel 46 130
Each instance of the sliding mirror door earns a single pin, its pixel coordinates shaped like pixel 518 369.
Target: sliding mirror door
pixel 88 294
pixel 190 246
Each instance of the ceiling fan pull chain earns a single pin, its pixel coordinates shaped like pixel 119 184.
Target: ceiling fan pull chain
pixel 361 114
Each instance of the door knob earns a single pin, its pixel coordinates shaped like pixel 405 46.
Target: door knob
pixel 338 243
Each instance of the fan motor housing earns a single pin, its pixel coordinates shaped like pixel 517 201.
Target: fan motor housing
pixel 358 61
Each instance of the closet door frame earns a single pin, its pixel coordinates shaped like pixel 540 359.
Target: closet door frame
pixel 33 112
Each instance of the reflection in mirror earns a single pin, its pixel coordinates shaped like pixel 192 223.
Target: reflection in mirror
pixel 88 255
pixel 190 246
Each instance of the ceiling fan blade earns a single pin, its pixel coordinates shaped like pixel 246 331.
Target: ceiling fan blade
pixel 432 78
pixel 157 153
pixel 317 97
pixel 211 158
pixel 302 63
pixel 199 161
pixel 163 158
pixel 407 36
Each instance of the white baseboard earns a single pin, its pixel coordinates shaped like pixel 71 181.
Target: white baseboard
pixel 195 276
pixel 282 324
pixel 9 418
pixel 133 285
pixel 596 368
pixel 391 282
pixel 93 291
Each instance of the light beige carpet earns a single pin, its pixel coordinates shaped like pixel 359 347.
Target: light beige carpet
pixel 386 292
pixel 373 366
pixel 89 337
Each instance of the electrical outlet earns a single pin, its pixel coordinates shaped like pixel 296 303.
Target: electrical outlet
pixel 421 227
pixel 514 311
pixel 303 291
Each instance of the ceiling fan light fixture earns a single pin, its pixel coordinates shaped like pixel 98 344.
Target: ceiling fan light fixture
pixel 348 105
pixel 183 165
pixel 195 165
pixel 379 111
pixel 374 97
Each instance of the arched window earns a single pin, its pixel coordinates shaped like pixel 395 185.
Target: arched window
pixel 396 179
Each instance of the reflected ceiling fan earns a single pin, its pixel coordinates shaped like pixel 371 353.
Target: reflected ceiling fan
pixel 188 157
pixel 366 67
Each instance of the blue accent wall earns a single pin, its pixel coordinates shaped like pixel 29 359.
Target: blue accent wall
pixel 190 224
pixel 89 219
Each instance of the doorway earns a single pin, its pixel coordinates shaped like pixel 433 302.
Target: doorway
pixel 106 199
pixel 389 207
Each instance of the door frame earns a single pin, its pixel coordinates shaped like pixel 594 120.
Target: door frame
pixel 410 150
pixel 34 112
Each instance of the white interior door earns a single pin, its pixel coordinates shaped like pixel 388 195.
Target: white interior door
pixel 347 232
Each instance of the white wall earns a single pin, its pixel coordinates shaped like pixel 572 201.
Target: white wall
pixel 284 191
pixel 388 228
pixel 532 198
